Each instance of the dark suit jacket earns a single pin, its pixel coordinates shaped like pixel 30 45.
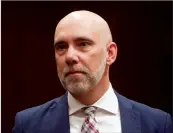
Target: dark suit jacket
pixel 52 117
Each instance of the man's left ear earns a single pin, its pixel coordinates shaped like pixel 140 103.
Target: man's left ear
pixel 112 53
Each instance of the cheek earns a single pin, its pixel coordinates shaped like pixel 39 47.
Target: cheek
pixel 93 60
pixel 60 64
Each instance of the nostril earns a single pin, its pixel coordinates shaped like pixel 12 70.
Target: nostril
pixel 71 62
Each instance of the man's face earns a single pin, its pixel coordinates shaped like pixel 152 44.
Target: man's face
pixel 80 57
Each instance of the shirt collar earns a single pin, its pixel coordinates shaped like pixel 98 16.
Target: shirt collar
pixel 108 102
pixel 74 105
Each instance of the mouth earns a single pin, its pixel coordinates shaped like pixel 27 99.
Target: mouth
pixel 74 73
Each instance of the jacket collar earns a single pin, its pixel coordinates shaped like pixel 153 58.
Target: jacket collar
pixel 130 118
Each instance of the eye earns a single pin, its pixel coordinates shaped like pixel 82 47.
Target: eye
pixel 60 46
pixel 84 44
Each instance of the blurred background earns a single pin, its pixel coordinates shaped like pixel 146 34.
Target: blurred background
pixel 142 71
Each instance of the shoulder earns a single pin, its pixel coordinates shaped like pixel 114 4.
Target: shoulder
pixel 153 117
pixel 149 116
pixel 29 119
pixel 149 112
pixel 37 111
pixel 140 107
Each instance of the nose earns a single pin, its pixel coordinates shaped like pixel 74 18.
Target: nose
pixel 71 56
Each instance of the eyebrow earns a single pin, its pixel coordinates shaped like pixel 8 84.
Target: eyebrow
pixel 76 39
pixel 84 39
pixel 59 42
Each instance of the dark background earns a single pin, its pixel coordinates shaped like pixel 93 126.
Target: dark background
pixel 142 71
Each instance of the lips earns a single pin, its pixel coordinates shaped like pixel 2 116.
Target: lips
pixel 73 72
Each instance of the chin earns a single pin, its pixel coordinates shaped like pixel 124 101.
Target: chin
pixel 78 89
pixel 77 92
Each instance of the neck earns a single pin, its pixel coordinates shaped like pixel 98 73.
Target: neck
pixel 95 93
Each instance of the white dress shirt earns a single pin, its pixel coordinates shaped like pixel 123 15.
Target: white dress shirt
pixel 107 115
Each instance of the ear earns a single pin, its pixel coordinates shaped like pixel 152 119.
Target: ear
pixel 112 53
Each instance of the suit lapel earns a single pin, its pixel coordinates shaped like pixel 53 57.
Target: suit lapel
pixel 58 117
pixel 63 116
pixel 130 119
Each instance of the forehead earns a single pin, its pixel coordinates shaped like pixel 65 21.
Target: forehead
pixel 72 30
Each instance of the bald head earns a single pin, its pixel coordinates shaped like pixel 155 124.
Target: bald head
pixel 83 45
pixel 89 20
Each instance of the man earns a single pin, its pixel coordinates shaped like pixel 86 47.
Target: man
pixel 84 51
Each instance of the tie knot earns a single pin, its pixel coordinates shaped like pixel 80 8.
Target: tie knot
pixel 90 110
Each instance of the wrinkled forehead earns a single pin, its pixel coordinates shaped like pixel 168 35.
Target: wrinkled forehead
pixel 74 29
